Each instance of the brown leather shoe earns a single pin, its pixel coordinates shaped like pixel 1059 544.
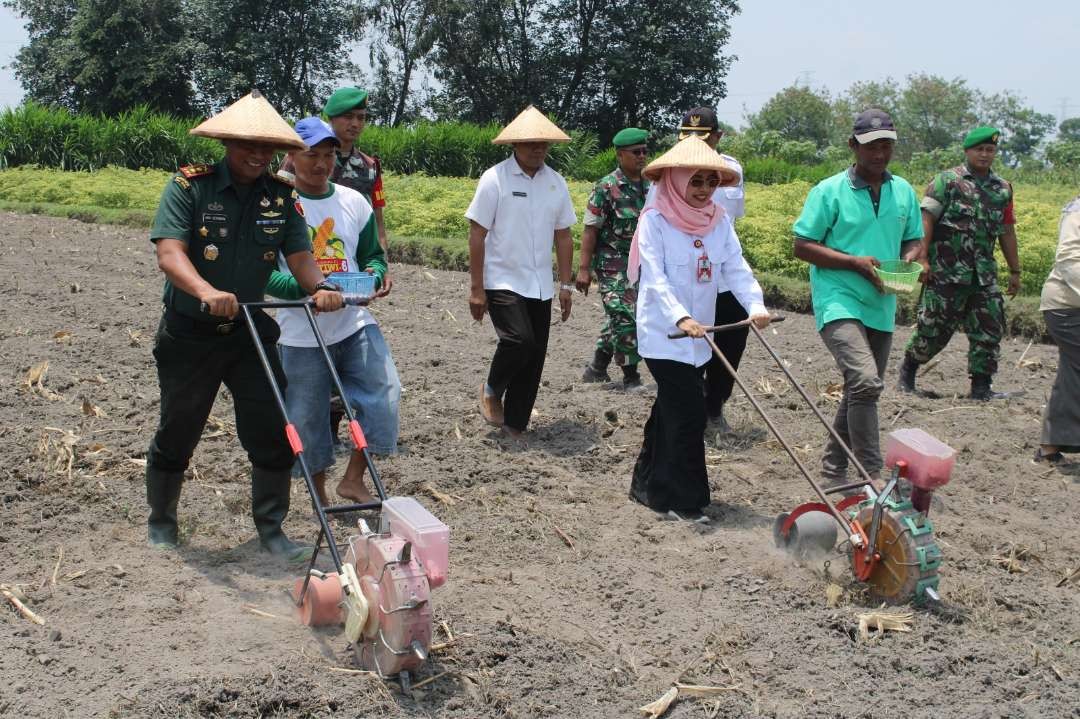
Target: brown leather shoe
pixel 491 408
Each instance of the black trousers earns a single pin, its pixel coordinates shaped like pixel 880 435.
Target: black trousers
pixel 718 381
pixel 523 325
pixel 192 363
pixel 670 470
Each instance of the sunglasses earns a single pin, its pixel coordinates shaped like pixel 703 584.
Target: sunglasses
pixel 711 182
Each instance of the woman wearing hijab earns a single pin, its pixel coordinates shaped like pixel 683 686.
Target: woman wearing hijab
pixel 684 245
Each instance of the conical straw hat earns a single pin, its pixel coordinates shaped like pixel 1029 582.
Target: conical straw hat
pixel 251 118
pixel 530 126
pixel 693 152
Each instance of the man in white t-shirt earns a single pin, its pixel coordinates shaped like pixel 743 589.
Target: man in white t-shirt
pixel 521 207
pixel 344 239
pixel 701 121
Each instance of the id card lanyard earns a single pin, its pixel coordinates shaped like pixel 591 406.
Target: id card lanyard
pixel 704 266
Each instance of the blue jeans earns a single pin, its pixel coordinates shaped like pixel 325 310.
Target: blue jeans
pixel 371 385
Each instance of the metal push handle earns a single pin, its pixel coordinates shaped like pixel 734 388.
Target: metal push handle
pixel 726 328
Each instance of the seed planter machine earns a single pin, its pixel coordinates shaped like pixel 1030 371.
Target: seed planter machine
pixel 889 537
pixel 381 585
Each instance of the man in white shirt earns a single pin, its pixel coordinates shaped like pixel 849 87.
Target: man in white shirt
pixel 521 207
pixel 701 121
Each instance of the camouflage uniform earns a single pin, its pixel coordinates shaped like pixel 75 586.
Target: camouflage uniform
pixel 613 208
pixel 971 214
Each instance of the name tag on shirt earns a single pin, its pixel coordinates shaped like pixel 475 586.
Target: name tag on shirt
pixel 521 194
pixel 704 269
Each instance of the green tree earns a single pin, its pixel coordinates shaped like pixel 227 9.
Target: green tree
pixel 295 51
pixel 1064 154
pixel 797 113
pixel 1022 127
pixel 596 64
pixel 105 56
pixel 403 38
pixel 934 112
pixel 1069 130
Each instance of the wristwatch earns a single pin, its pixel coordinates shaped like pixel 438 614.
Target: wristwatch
pixel 566 286
pixel 326 285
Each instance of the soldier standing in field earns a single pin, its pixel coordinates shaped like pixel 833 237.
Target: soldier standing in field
pixel 218 234
pixel 966 211
pixel 610 220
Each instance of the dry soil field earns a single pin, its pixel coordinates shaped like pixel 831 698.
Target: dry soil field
pixel 593 626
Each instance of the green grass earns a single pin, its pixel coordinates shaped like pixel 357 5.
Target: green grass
pixel 425 216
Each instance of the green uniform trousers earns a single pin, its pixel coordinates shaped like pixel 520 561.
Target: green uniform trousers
pixel 193 360
pixel 979 309
pixel 618 335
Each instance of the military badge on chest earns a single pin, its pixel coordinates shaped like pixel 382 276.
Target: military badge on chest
pixel 210 252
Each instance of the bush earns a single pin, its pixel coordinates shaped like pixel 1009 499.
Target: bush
pixel 424 207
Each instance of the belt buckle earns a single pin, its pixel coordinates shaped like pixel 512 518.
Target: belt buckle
pixel 225 328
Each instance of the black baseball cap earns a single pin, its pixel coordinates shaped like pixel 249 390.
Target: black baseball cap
pixel 698 121
pixel 873 124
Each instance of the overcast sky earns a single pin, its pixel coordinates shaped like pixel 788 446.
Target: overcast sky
pixel 1027 47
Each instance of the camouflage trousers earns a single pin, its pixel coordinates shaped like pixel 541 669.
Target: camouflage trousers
pixel 979 309
pixel 618 335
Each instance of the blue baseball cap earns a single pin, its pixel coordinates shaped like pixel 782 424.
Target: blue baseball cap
pixel 312 130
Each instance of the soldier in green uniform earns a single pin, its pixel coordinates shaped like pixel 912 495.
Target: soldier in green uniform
pixel 610 221
pixel 966 211
pixel 218 232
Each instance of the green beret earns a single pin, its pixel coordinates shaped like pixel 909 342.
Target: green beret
pixel 630 136
pixel 344 100
pixel 980 135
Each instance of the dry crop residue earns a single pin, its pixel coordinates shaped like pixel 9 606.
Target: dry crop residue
pixel 566 599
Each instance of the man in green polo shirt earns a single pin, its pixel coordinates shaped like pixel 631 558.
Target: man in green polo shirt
pixel 218 233
pixel 849 224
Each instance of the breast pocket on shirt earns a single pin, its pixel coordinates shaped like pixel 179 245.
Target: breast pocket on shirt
pixel 677 271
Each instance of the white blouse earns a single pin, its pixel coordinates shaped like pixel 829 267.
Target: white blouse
pixel 669 289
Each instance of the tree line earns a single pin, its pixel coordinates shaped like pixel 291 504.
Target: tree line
pixel 804 125
pixel 595 64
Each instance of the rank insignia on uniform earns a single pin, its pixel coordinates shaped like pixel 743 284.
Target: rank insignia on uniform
pixel 215 207
pixel 280 201
pixel 270 213
pixel 223 231
pixel 271 230
pixel 182 182
pixel 190 171
pixel 210 252
pixel 203 232
pixel 264 202
pixel 269 255
pixel 295 195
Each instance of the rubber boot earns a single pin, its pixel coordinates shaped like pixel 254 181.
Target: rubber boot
pixel 630 377
pixel 269 507
pixel 596 371
pixel 908 369
pixel 163 496
pixel 981 388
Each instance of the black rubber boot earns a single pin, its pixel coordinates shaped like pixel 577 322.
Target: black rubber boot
pixel 908 369
pixel 163 496
pixel 981 388
pixel 596 371
pixel 269 507
pixel 630 377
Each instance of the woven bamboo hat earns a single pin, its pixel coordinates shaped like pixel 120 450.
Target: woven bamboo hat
pixel 251 118
pixel 693 152
pixel 530 126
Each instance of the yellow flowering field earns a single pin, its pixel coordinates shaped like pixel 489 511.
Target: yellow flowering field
pixel 419 206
